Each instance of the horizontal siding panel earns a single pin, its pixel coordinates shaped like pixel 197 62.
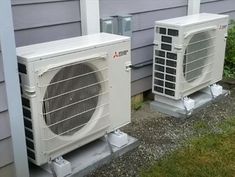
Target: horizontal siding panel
pixel 218 6
pixel 21 2
pixel 146 20
pixel 142 38
pixel 209 1
pixel 5 131
pixel 118 7
pixel 142 54
pixel 1 69
pixel 8 171
pixel 6 152
pixel 45 14
pixel 231 14
pixel 49 33
pixel 137 74
pixel 141 85
pixel 3 102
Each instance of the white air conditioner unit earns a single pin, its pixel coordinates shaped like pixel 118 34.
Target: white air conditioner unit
pixel 188 54
pixel 73 92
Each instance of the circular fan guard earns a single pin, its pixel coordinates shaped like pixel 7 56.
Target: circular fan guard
pixel 71 99
pixel 197 55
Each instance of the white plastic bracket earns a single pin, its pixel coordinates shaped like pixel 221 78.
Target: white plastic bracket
pixel 118 138
pixel 216 90
pixel 61 167
pixel 189 105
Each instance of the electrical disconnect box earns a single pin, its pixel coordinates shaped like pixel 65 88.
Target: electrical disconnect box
pixel 125 25
pixel 121 25
pixel 107 25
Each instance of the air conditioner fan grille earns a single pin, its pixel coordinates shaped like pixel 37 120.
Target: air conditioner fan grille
pixel 197 55
pixel 80 93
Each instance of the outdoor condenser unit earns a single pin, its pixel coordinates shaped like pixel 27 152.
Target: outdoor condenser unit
pixel 73 92
pixel 188 54
pixel 188 61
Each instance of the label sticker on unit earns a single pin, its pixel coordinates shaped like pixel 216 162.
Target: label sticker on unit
pixel 120 54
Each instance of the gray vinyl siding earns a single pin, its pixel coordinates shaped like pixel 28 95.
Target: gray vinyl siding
pixel 5 131
pixel 6 152
pixel 221 7
pixel 58 19
pixel 1 70
pixel 7 171
pixel 3 103
pixel 37 21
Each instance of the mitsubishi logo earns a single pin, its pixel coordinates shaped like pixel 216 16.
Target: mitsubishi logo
pixel 115 55
pixel 120 54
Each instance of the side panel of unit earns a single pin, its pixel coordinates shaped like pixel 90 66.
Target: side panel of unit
pixel 120 87
pixel 166 44
pixel 28 97
pixel 221 33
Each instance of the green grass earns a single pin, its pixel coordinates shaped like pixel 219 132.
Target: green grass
pixel 212 155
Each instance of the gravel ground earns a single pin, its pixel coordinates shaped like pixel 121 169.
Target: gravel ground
pixel 159 134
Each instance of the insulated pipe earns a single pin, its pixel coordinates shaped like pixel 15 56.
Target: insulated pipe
pixel 90 16
pixel 194 7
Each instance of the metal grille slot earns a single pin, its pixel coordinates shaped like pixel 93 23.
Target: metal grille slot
pixel 25 102
pixel 30 144
pixel 22 68
pixel 173 32
pixel 165 65
pixel 29 134
pixel 167 39
pixel 158 89
pixel 166 47
pixel 31 154
pixel 162 30
pixel 159 53
pixel 159 82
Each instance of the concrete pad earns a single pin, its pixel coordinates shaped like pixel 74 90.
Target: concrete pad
pixel 87 158
pixel 202 99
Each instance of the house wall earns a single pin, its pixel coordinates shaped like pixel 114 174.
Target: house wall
pixel 59 19
pixel 6 151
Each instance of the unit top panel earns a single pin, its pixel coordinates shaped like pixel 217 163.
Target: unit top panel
pixel 65 46
pixel 191 19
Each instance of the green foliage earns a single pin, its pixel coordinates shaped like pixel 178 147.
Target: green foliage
pixel 212 155
pixel 229 69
